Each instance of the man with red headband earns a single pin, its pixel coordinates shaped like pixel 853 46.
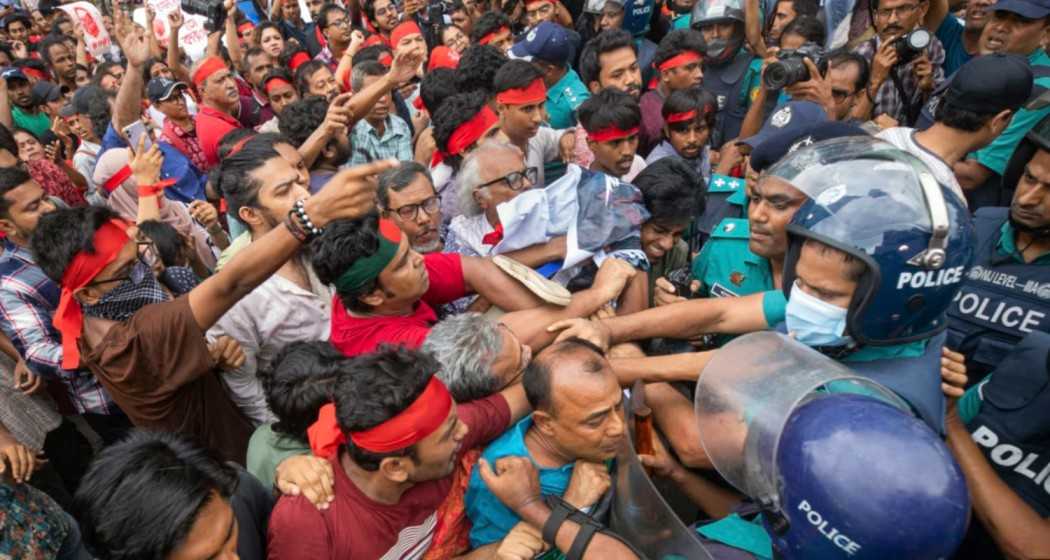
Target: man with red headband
pixel 679 65
pixel 493 28
pixel 521 96
pixel 219 105
pixel 549 48
pixel 148 349
pixel 280 93
pixel 612 120
pixel 463 121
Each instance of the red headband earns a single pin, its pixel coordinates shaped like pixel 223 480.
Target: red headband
pixel 679 60
pixel 533 2
pixel 374 39
pixel 405 29
pixel 211 65
pixel 245 27
pixel 425 415
pixel 239 145
pixel 274 83
pixel 532 93
pixel 109 239
pixel 38 74
pixel 681 117
pixel 492 35
pixel 611 133
pixel 297 60
pixel 443 57
pixel 470 131
pixel 116 179
pixel 385 59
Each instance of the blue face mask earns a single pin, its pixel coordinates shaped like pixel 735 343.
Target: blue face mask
pixel 814 322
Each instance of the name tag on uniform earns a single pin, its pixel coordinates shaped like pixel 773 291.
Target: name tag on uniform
pixel 721 291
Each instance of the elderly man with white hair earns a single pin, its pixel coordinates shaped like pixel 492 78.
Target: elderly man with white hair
pixel 478 356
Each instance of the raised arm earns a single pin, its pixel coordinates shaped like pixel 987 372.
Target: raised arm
pixel 753 27
pixel 233 44
pixel 935 14
pixel 128 106
pixel 406 61
pixel 175 22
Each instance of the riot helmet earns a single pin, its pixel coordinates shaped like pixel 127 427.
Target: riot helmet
pixel 883 207
pixel 708 12
pixel 636 13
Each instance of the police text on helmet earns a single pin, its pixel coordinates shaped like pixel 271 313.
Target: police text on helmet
pixel 839 539
pixel 930 278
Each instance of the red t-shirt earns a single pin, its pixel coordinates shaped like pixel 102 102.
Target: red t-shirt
pixel 360 335
pixel 356 527
pixel 211 125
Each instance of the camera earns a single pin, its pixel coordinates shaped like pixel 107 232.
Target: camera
pixel 910 45
pixel 790 68
pixel 213 10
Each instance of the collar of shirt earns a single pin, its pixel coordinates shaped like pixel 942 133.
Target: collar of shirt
pixel 1007 246
pixel 564 85
pixel 392 129
pixel 212 112
pixel 1039 57
pixel 513 443
pixel 12 251
pixel 897 351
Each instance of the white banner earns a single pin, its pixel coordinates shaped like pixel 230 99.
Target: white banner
pixel 193 38
pixel 96 38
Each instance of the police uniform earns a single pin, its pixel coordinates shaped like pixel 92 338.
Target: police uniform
pixel 1002 298
pixel 563 98
pixel 726 198
pixel 729 84
pixel 1008 416
pixel 726 267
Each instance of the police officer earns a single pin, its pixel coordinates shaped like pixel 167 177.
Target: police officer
pixel 1006 295
pixel 998 433
pixel 730 71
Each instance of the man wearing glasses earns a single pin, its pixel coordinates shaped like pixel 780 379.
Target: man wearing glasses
pixel 406 196
pixel 898 88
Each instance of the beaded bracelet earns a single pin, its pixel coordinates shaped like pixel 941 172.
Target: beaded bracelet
pixel 304 219
pixel 294 228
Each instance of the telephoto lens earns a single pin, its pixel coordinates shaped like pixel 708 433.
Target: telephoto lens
pixel 791 67
pixel 911 45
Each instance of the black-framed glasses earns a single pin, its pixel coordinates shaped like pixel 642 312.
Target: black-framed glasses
pixel 840 94
pixel 409 212
pixel 131 272
pixel 515 180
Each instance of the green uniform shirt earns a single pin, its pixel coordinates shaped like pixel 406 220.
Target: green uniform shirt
pixel 563 98
pixel 726 267
pixel 1007 246
pixel 267 449
pixel 38 124
pixel 681 22
pixel 994 156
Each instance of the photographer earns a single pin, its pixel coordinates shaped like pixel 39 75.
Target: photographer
pixel 902 76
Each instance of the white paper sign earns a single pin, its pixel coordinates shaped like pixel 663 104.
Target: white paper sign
pixel 193 38
pixel 96 38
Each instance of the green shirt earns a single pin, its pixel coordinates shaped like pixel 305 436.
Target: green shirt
pixel 1007 246
pixel 969 405
pixel 266 450
pixel 995 156
pixel 563 98
pixel 677 257
pixel 726 267
pixel 38 123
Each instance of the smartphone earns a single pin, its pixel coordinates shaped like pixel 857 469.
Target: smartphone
pixel 137 130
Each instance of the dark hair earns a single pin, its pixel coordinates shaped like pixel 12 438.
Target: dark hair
pixel 98 108
pixel 250 53
pixel 958 118
pixel 609 107
pixel 604 42
pixel 368 68
pixel 322 16
pixel 7 140
pixel 855 267
pixel 693 99
pixel 146 68
pixel 10 179
pixel 232 177
pixel 56 24
pixel 300 119
pixel 398 178
pixel 478 66
pixel 678 42
pixel 299 381
pixel 279 72
pixel 166 239
pixel 370 9
pixel 802 7
pixel 18 16
pixel 809 27
pixel 339 247
pixel 673 192
pixel 290 49
pixel 61 234
pixel 437 85
pixel 515 74
pixel 304 73
pixel 141 496
pixel 44 46
pixel 370 53
pixel 488 22
pixel 840 57
pixel 377 387
pixel 263 26
pixel 537 377
pixel 455 111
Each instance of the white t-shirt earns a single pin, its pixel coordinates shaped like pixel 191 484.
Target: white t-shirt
pixel 904 138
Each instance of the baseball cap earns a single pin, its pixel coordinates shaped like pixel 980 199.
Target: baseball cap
pixel 12 73
pixel 547 41
pixel 81 102
pixel 792 116
pixel 991 83
pixel 1028 9
pixel 786 141
pixel 45 92
pixel 160 89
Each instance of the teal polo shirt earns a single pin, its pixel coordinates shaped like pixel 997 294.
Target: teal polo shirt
pixel 995 156
pixel 726 267
pixel 1007 246
pixel 563 98
pixel 38 123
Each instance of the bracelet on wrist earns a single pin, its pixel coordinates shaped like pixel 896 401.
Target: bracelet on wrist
pixel 299 208
pixel 294 228
pixel 155 189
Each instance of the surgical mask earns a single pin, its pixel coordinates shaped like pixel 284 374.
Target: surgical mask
pixel 814 322
pixel 134 293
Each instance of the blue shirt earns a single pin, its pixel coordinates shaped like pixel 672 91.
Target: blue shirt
pixel 563 98
pixel 368 145
pixel 951 35
pixel 190 182
pixel 490 519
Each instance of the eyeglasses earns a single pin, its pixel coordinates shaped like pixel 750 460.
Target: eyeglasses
pixel 840 94
pixel 385 11
pixel 132 272
pixel 516 179
pixel 901 11
pixel 409 212
pixel 344 22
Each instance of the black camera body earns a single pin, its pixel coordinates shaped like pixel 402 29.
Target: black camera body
pixel 790 68
pixel 213 10
pixel 911 45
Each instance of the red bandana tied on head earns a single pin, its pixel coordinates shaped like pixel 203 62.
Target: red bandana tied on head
pixel 374 39
pixel 274 83
pixel 404 29
pixel 611 133
pixel 245 28
pixel 470 131
pixel 211 65
pixel 443 57
pixel 492 35
pixel 386 60
pixel 425 415
pixel 680 117
pixel 530 3
pixel 109 239
pixel 34 73
pixel 681 59
pixel 535 92
pixel 297 60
